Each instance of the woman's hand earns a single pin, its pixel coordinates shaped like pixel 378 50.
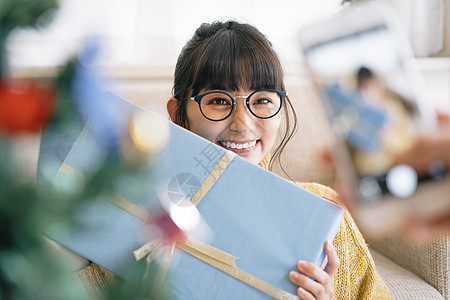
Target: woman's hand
pixel 321 288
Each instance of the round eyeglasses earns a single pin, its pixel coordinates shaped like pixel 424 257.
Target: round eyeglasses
pixel 218 105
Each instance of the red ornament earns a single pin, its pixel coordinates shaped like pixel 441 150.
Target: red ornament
pixel 171 233
pixel 24 107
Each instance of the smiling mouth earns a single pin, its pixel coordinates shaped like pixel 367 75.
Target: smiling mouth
pixel 239 146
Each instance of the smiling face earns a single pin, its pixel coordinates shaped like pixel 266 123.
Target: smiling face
pixel 237 59
pixel 242 133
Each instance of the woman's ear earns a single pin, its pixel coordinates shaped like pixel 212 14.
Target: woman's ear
pixel 172 106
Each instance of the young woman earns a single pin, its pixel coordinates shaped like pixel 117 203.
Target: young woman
pixel 228 88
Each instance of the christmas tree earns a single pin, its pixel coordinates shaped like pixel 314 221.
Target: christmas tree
pixel 57 109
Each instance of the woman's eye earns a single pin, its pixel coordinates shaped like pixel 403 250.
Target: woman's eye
pixel 262 101
pixel 219 101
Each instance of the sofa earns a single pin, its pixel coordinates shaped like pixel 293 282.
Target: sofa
pixel 413 267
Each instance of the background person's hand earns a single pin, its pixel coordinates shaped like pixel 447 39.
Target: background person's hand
pixel 429 227
pixel 430 147
pixel 321 288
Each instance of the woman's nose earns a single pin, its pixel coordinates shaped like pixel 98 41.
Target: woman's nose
pixel 242 120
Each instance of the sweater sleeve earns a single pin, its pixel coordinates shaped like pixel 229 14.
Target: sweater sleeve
pixel 357 277
pixel 96 281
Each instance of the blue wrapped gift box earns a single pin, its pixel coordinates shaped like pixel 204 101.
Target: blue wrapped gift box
pixel 261 224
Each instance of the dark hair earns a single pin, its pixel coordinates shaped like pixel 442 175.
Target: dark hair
pixel 363 75
pixel 228 56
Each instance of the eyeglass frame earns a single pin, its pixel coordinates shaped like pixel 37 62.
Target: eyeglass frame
pixel 198 99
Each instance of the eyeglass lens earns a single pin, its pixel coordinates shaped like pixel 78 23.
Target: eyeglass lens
pixel 217 106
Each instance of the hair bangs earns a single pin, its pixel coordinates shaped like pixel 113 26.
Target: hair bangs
pixel 231 62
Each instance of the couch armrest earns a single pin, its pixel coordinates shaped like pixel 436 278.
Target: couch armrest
pixel 402 283
pixel 428 257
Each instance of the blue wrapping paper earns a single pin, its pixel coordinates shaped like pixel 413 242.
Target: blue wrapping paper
pixel 253 214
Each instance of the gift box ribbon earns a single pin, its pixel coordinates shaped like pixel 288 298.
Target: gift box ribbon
pixel 205 252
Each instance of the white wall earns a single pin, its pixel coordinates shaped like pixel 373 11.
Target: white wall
pixel 152 32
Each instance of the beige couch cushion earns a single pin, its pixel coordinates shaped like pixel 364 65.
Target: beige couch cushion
pixel 427 257
pixel 402 283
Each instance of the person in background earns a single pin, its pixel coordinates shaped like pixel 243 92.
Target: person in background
pixel 429 148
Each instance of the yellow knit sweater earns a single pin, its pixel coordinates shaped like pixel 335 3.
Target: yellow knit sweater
pixel 356 277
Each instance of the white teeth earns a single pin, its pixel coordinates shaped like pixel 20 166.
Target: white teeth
pixel 238 146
